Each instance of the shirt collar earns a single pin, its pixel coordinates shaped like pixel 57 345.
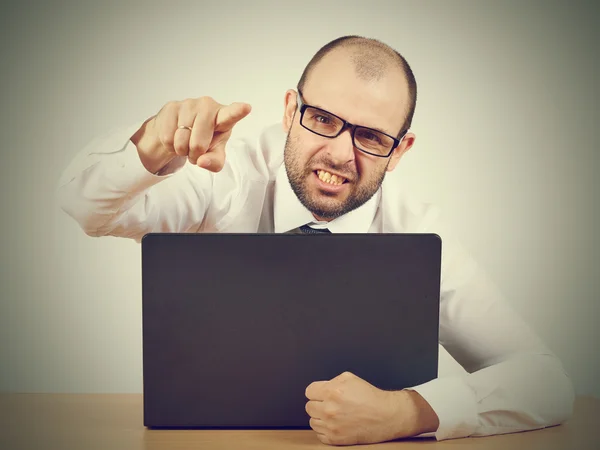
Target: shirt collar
pixel 289 213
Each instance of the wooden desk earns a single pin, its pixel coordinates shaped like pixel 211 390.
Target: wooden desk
pixel 113 422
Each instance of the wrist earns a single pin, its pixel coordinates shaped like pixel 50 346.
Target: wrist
pixel 423 417
pixel 152 153
pixel 412 414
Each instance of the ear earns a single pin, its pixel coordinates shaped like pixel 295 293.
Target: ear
pixel 405 145
pixel 289 108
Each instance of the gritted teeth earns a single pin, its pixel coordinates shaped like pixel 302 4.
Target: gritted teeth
pixel 330 178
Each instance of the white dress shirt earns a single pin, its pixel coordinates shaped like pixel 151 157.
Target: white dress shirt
pixel 514 382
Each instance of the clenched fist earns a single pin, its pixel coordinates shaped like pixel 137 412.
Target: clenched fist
pixel 348 410
pixel 194 128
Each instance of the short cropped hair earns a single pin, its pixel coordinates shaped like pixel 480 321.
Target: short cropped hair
pixel 371 59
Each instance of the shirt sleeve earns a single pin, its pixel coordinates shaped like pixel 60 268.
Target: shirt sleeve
pixel 514 382
pixel 108 191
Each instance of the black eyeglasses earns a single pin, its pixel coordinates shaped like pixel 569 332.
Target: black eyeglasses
pixel 326 124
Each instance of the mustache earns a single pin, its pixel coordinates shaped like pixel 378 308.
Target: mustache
pixel 347 170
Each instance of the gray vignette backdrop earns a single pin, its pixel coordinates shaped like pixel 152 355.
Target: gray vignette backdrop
pixel 506 125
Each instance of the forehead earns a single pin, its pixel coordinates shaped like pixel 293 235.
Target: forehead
pixel 335 85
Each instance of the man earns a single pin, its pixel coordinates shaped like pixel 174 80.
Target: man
pixel 346 126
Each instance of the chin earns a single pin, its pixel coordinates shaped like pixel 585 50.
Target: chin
pixel 325 212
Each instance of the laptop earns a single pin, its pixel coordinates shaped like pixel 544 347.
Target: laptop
pixel 236 326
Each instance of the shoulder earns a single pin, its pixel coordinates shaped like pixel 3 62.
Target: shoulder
pixel 405 212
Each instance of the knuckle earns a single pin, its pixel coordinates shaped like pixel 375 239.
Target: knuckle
pixel 167 139
pixel 197 148
pixel 170 107
pixel 188 104
pixel 180 149
pixel 335 393
pixel 206 102
pixel 347 375
pixel 330 411
pixel 206 99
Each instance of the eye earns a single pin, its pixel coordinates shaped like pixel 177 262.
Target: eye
pixel 372 137
pixel 322 119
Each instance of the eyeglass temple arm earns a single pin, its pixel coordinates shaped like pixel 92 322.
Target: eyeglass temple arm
pixel 299 99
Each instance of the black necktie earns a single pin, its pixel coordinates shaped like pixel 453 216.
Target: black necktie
pixel 305 229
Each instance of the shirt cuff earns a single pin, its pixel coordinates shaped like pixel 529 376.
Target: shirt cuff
pixel 130 175
pixel 455 405
pixel 127 171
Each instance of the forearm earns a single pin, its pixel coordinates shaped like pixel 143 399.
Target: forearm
pixel 105 189
pixel 525 392
pixel 99 194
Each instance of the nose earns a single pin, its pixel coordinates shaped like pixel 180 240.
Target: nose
pixel 341 148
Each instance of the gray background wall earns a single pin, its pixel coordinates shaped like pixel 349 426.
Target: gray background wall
pixel 506 126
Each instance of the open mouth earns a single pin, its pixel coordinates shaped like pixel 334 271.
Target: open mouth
pixel 330 178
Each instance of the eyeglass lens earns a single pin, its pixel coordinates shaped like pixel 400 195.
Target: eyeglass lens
pixel 366 139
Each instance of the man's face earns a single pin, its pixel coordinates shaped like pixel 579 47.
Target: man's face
pixel 330 176
pixel 326 187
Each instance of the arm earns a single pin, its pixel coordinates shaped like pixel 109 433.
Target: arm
pixel 514 382
pixel 112 187
pixel 108 191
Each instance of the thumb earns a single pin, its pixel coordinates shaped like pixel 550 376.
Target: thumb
pixel 229 115
pixel 214 159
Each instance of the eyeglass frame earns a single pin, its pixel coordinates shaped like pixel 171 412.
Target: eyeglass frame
pixel 345 124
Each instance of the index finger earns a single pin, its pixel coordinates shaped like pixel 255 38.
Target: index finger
pixel 316 391
pixel 229 115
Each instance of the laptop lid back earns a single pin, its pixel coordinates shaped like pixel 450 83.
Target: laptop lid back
pixel 236 326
